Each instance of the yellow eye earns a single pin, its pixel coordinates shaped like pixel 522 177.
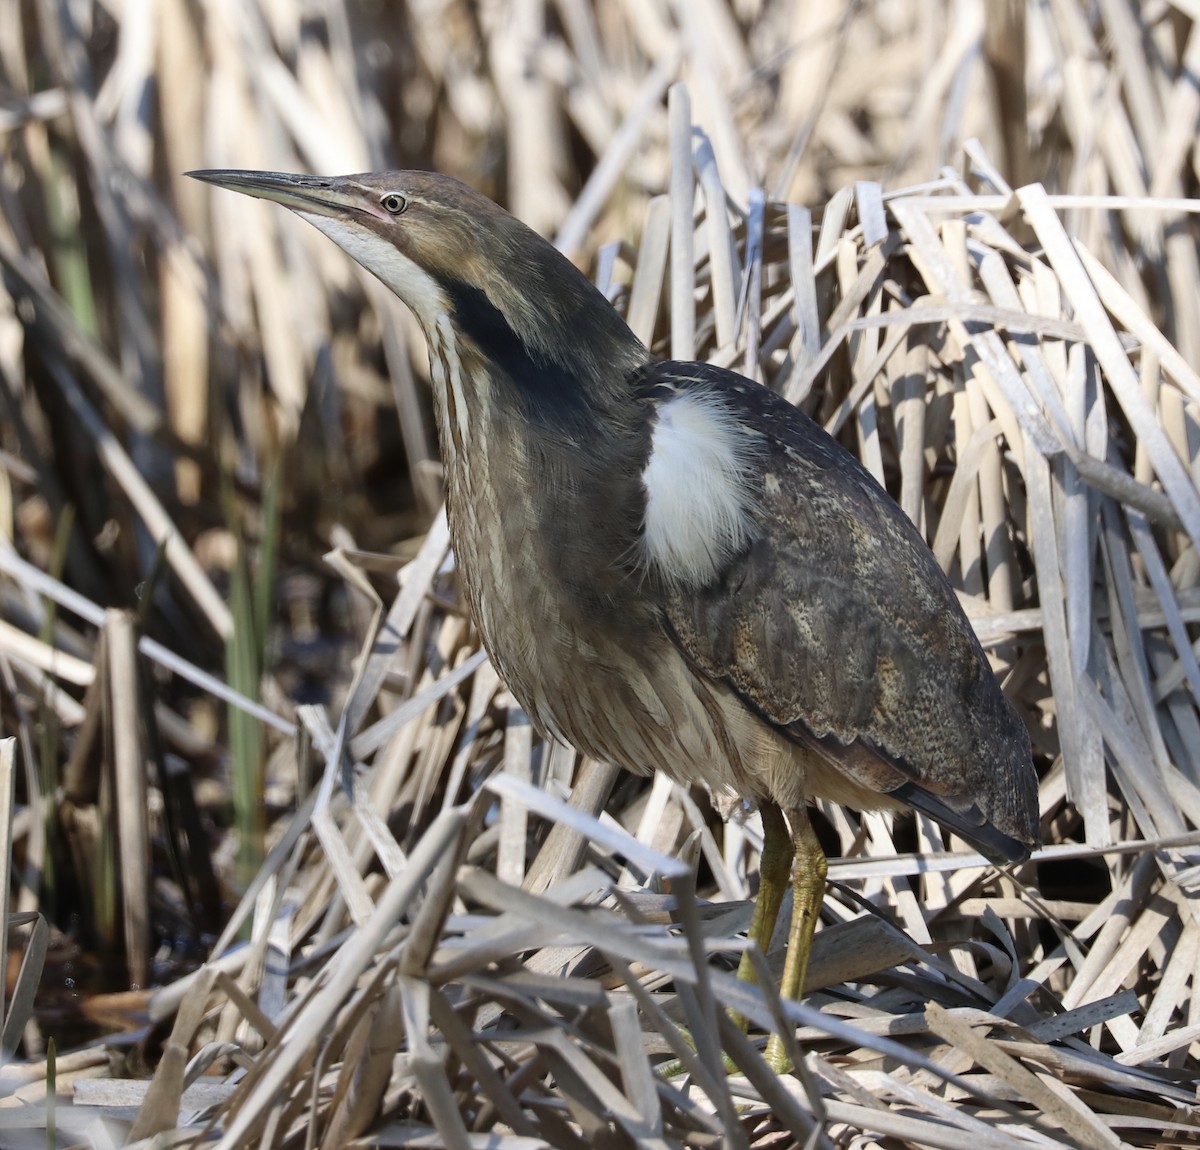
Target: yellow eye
pixel 394 203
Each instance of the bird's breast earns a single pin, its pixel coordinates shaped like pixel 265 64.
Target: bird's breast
pixel 545 563
pixel 547 543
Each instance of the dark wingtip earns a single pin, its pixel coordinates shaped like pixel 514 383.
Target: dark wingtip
pixel 969 823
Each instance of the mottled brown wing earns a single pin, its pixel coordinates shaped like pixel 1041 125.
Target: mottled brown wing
pixel 838 627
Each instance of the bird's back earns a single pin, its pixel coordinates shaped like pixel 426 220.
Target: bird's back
pixel 836 627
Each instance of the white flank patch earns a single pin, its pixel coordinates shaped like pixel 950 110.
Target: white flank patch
pixel 416 287
pixel 697 505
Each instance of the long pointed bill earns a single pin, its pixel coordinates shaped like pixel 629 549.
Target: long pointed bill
pixel 313 195
pixel 351 211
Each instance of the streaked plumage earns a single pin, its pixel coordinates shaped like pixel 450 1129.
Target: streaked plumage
pixel 670 566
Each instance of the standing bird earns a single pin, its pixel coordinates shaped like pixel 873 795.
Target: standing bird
pixel 671 567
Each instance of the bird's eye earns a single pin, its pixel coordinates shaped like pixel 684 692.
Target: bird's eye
pixel 394 203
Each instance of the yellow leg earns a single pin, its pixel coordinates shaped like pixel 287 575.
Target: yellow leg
pixel 774 873
pixel 808 881
pixel 793 855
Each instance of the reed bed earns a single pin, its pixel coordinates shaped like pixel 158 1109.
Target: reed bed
pixel 253 750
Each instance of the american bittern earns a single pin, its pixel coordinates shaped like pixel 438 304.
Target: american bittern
pixel 671 567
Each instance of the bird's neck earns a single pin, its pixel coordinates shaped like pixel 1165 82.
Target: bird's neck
pixel 546 372
pixel 544 443
pixel 558 357
pixel 528 407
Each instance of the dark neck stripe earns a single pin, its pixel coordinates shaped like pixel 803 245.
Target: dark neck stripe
pixel 546 390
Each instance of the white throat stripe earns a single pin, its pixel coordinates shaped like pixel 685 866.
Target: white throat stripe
pixel 415 286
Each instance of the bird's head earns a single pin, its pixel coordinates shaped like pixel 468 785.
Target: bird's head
pixel 450 253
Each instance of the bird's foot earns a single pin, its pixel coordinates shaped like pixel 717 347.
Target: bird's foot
pixel 775 1055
